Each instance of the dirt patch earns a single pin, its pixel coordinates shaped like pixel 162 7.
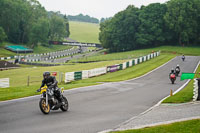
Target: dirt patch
pixel 5 64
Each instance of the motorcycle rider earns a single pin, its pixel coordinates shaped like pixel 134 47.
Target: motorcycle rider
pixel 172 72
pixel 177 66
pixel 172 76
pixel 51 83
pixel 177 69
pixel 183 57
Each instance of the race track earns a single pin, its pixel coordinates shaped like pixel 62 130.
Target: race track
pixel 96 108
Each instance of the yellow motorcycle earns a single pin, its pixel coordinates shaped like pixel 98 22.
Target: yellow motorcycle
pixel 49 100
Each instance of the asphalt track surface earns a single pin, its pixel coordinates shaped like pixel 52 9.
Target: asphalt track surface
pixel 96 108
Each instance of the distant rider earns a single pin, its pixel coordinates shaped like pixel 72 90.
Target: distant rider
pixel 177 68
pixel 183 57
pixel 51 83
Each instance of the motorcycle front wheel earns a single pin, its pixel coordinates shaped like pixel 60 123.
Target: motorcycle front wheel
pixel 65 107
pixel 43 107
pixel 173 81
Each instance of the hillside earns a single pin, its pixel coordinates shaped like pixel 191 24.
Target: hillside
pixel 84 32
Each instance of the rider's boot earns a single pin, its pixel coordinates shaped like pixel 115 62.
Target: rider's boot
pixel 62 100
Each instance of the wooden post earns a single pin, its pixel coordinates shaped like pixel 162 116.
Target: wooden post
pixel 28 81
pixel 61 77
pixel 171 92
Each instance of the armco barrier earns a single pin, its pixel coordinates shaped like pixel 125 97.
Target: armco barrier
pixel 70 76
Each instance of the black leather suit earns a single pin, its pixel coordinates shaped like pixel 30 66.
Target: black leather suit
pixel 51 83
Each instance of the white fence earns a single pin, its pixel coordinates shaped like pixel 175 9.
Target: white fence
pixel 71 76
pixel 97 71
pixel 4 83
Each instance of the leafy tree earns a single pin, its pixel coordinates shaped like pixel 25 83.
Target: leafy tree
pixel 9 17
pixel 104 19
pixel 39 32
pixel 32 13
pixel 183 18
pixel 118 33
pixel 3 35
pixel 20 20
pixel 105 36
pixel 152 25
pixel 57 28
pixel 67 26
pixel 83 18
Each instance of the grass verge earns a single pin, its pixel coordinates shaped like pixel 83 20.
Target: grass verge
pixel 190 126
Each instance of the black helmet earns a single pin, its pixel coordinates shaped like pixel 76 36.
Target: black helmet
pixel 172 70
pixel 46 75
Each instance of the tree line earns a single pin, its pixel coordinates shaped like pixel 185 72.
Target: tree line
pixel 173 23
pixel 83 18
pixel 27 22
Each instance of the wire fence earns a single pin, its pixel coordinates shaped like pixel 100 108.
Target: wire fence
pixel 33 79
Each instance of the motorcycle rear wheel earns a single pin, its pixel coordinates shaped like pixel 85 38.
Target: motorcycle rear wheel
pixel 45 109
pixel 66 106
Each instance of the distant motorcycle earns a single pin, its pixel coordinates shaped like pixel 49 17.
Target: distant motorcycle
pixel 49 101
pixel 177 71
pixel 183 58
pixel 172 78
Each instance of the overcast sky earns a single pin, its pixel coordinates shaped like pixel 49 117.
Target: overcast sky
pixel 93 8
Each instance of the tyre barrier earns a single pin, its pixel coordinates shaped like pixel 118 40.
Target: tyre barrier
pixel 196 90
pixel 40 58
pixel 39 64
pixel 84 74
